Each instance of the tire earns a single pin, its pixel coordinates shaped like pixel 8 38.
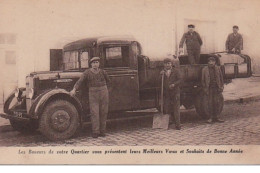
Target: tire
pixel 202 108
pixel 59 120
pixel 198 106
pixel 24 127
pixel 188 104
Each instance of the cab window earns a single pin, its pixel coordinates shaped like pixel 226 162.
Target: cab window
pixel 70 60
pixel 117 56
pixel 84 58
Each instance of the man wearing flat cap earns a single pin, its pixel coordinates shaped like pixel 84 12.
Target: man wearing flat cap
pixel 234 42
pixel 213 85
pixel 171 91
pixel 97 80
pixel 193 43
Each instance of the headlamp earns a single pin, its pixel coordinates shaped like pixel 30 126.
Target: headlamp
pixel 30 93
pixel 17 92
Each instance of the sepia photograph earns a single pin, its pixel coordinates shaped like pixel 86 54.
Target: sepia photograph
pixel 129 82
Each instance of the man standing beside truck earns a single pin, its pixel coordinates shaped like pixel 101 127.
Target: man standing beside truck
pixel 234 42
pixel 97 80
pixel 193 43
pixel 171 91
pixel 213 86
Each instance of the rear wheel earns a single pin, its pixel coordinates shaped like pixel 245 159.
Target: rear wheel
pixel 202 108
pixel 24 127
pixel 59 120
pixel 198 107
pixel 188 103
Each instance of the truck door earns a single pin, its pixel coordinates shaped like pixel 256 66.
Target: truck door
pixel 124 89
pixel 55 59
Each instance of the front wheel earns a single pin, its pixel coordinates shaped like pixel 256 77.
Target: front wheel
pixel 59 120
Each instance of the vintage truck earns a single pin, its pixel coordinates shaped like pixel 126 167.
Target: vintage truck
pixel 45 102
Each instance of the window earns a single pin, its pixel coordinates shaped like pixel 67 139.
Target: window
pixel 70 60
pixel 117 56
pixel 113 53
pixel 84 59
pixel 7 38
pixel 10 57
pixel 2 39
pixel 10 38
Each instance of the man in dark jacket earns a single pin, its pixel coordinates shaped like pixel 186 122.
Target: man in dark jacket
pixel 213 86
pixel 193 43
pixel 171 91
pixel 234 43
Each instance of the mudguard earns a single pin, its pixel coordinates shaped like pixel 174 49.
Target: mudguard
pixel 7 103
pixel 9 99
pixel 40 103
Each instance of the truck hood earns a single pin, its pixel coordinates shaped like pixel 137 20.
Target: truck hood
pixel 46 75
pixel 70 74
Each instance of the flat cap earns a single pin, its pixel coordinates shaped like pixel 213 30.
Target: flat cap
pixel 94 59
pixel 191 26
pixel 211 59
pixel 166 60
pixel 235 26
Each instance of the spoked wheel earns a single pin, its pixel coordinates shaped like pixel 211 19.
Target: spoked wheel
pixel 59 120
pixel 188 104
pixel 202 105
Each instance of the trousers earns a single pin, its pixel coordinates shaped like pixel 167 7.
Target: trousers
pixel 98 102
pixel 194 56
pixel 213 101
pixel 172 107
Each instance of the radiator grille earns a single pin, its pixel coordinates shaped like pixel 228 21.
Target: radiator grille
pixel 29 85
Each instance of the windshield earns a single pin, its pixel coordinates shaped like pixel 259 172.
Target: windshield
pixel 70 60
pixel 84 57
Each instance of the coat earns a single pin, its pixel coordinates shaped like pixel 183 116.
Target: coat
pixel 171 96
pixel 234 42
pixel 193 41
pixel 205 79
pixel 174 78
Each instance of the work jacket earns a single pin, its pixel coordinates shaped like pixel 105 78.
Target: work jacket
pixel 174 78
pixel 234 42
pixel 193 41
pixel 205 79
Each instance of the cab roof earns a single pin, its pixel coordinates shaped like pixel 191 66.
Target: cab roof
pixel 91 42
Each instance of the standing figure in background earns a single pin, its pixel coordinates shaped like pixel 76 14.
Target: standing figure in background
pixel 234 43
pixel 97 80
pixel 171 91
pixel 193 43
pixel 213 85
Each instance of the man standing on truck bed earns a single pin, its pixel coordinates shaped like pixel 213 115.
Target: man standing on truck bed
pixel 171 91
pixel 234 43
pixel 97 80
pixel 213 86
pixel 193 43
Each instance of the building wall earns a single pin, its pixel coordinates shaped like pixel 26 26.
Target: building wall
pixel 8 61
pixel 41 25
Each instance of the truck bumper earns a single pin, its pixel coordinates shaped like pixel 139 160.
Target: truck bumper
pixel 16 116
